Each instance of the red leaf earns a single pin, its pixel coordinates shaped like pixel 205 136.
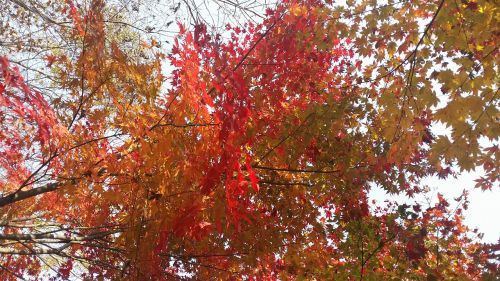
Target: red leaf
pixel 251 172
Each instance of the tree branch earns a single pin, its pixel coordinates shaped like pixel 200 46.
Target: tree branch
pixel 21 195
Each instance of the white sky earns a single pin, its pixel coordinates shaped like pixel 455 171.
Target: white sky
pixel 484 207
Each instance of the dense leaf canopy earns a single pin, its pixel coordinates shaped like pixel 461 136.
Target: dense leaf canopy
pixel 247 152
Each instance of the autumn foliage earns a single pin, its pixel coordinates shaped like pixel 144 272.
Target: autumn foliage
pixel 249 153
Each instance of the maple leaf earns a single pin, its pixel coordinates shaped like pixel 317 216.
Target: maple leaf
pixel 50 60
